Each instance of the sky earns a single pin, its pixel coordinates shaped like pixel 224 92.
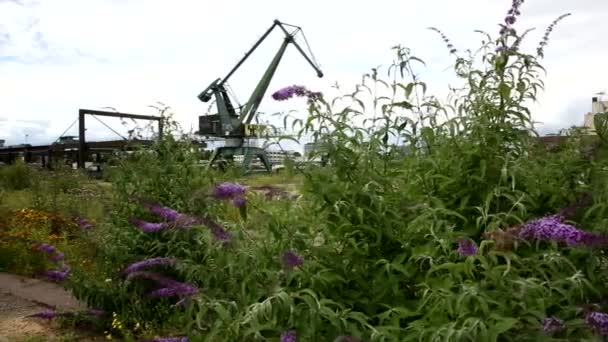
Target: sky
pixel 61 55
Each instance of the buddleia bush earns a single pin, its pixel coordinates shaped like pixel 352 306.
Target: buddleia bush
pixel 449 221
pixel 430 220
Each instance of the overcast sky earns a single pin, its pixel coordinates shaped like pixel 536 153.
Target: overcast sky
pixel 57 56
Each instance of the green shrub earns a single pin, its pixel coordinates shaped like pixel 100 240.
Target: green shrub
pixel 411 232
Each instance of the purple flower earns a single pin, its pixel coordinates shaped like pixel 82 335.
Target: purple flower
pixel 219 233
pixel 84 223
pixel 167 339
pixel 239 202
pixel 95 312
pixel 55 275
pixel 149 227
pixel 467 247
pixel 288 92
pixel 58 256
pixel 290 259
pixel 177 289
pixel 157 277
pixel 289 336
pixel 552 228
pixel 49 314
pixel 228 191
pixel 164 212
pixel 171 215
pixel 510 20
pixel 552 324
pixel 598 321
pixel 45 247
pixel 160 261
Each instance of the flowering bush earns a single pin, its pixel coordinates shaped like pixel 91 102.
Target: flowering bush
pixel 429 221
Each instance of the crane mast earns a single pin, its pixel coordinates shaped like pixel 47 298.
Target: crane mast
pixel 232 126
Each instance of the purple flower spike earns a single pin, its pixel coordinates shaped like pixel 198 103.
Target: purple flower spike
pixel 178 289
pixel 49 314
pixel 552 228
pixel 467 247
pixel 291 260
pixel 297 90
pixel 45 247
pixel 95 312
pixel 228 191
pixel 55 275
pixel 157 277
pixel 239 202
pixel 164 212
pixel 149 227
pixel 598 321
pixel 160 261
pixel 552 324
pixel 58 256
pixel 167 339
pixel 221 234
pixel 83 223
pixel 289 336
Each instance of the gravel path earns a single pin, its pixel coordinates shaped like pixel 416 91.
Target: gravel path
pixel 15 326
pixel 21 297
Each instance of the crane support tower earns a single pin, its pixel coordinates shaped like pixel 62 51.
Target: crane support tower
pixel 234 127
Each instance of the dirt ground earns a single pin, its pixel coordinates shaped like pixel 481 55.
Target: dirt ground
pixel 21 297
pixel 15 326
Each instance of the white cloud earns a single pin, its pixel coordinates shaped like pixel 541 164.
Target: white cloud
pixel 61 55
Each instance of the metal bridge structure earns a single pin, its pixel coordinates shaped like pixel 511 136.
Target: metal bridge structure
pixel 80 150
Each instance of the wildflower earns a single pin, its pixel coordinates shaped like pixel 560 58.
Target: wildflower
pixel 84 223
pixel 598 321
pixel 149 227
pixel 552 324
pixel 159 278
pixel 159 261
pixel 289 336
pixel 164 212
pixel 177 289
pixel 228 191
pixel 55 275
pixel 513 12
pixel 552 228
pixel 467 247
pixel 95 312
pixel 45 247
pixel 171 215
pixel 48 314
pixel 239 202
pixel 58 257
pixel 167 339
pixel 288 92
pixel 290 259
pixel 219 233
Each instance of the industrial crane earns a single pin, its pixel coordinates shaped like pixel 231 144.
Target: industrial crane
pixel 234 127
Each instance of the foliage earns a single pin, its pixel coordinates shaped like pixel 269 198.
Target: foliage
pixel 411 231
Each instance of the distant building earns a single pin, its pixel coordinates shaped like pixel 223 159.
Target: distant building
pixel 2 142
pixel 68 139
pixel 275 157
pixel 597 106
pixel 310 148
